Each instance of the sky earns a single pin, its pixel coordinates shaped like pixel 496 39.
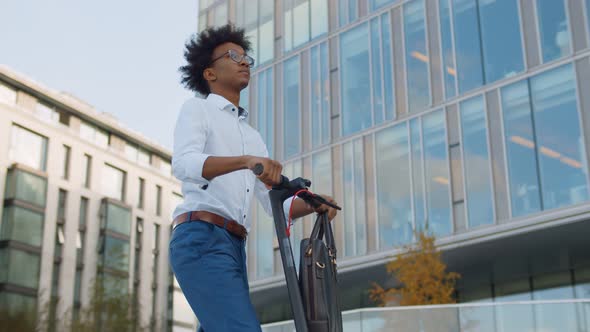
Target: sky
pixel 121 57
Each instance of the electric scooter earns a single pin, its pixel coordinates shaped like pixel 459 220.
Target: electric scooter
pixel 279 193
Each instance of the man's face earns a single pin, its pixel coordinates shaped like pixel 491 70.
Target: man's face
pixel 227 72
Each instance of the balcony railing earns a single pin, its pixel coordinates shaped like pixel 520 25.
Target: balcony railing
pixel 528 316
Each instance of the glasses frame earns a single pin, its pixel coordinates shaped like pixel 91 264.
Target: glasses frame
pixel 236 57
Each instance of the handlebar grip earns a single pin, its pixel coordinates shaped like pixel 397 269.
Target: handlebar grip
pixel 258 169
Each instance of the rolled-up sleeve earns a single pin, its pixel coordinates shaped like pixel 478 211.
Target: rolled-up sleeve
pixel 190 136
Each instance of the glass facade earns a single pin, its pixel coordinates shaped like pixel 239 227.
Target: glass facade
pixel 544 142
pixel 447 128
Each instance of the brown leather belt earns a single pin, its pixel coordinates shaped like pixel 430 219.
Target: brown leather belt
pixel 231 225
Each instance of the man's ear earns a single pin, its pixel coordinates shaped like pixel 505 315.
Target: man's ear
pixel 209 75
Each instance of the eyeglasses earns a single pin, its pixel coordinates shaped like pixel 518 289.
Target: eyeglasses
pixel 234 55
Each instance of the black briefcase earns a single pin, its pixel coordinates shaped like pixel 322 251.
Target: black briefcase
pixel 318 279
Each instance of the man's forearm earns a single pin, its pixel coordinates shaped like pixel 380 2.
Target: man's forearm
pixel 301 209
pixel 217 166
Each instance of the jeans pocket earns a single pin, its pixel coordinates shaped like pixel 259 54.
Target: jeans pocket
pixel 190 242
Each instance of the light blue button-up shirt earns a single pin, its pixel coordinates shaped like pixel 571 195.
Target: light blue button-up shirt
pixel 216 127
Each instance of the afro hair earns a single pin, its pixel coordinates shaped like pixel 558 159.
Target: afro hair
pixel 199 51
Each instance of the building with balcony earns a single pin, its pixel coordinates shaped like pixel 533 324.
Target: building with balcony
pixel 469 118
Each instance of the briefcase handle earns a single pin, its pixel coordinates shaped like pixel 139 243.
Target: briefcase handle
pixel 322 229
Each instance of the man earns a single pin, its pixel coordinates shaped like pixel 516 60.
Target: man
pixel 215 151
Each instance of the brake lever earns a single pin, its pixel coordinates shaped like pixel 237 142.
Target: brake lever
pixel 316 200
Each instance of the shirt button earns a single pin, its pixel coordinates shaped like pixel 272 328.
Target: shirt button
pixel 247 190
pixel 244 216
pixel 233 109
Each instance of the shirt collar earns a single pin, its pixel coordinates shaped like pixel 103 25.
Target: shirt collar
pixel 225 105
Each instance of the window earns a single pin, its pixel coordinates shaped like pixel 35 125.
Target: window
pixel 141 193
pixel 265 116
pixel 264 246
pixel 7 94
pixel 156 267
pixel 436 170
pixel 158 200
pixel 143 157
pixel 62 204
pixel 481 56
pixel 257 17
pixel 376 4
pixel 447 49
pixel 321 169
pixel 118 219
pixel 355 235
pixel 22 225
pixel 94 135
pixel 165 167
pixel 113 182
pixel 476 161
pixel 292 109
pixel 544 144
pixel 26 187
pixel 394 196
pixel 348 11
pixel 138 243
pixel 418 182
pixel 366 75
pixel 116 253
pixel 66 150
pixel 131 151
pixel 502 56
pixel 416 56
pixel 20 268
pixel 320 95
pixel 50 114
pixel 355 80
pixel 28 148
pixel 553 29
pixel 304 21
pixel 86 171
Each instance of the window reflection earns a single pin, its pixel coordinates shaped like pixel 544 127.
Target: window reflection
pixel 304 21
pixel 548 139
pixel 436 170
pixel 448 53
pixel 553 29
pixel 394 196
pixel 265 116
pixel 416 55
pixel 320 95
pixel 366 101
pixel 476 161
pixel 560 144
pixel 264 247
pixel 292 112
pixel 354 199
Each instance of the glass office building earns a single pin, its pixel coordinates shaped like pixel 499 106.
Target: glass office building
pixel 468 118
pixel 85 201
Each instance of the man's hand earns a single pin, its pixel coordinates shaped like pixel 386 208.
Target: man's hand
pixel 271 175
pixel 325 208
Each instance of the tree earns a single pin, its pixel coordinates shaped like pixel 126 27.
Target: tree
pixel 421 274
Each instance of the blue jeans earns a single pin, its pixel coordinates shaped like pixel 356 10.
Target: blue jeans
pixel 210 266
